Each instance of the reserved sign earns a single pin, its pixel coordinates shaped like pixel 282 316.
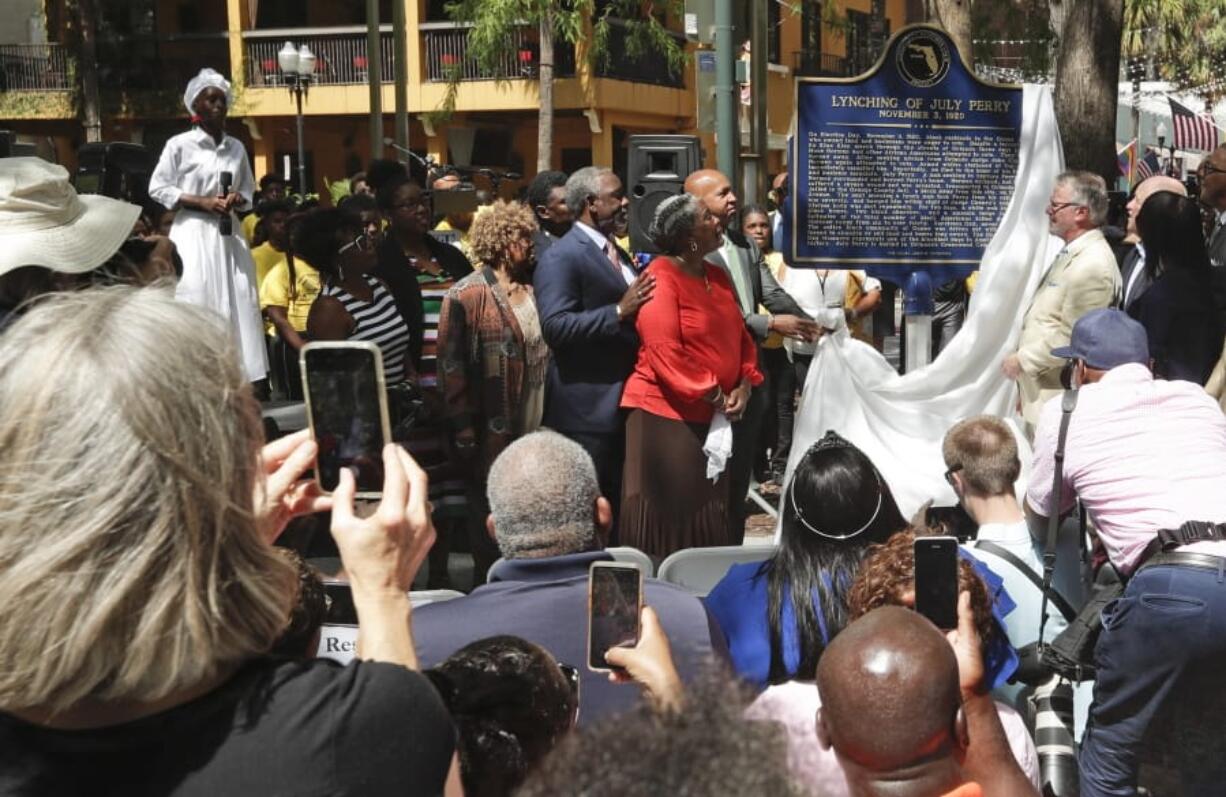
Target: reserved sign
pixel 338 642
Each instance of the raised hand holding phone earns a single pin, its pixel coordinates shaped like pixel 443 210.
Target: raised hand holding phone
pixel 382 553
pixel 282 493
pixel 649 664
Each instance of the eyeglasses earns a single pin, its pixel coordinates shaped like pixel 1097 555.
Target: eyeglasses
pixel 1209 168
pixel 1053 209
pixel 949 474
pixel 363 243
pixel 417 203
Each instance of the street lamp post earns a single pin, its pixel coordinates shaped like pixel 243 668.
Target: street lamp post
pixel 1170 161
pixel 297 66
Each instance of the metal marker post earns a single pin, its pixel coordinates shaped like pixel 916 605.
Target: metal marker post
pixel 917 310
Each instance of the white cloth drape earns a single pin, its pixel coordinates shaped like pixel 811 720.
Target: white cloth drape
pixel 899 421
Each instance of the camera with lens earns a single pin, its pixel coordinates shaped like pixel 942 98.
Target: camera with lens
pixel 1066 374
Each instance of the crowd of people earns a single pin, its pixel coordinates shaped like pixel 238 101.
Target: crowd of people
pixel 555 395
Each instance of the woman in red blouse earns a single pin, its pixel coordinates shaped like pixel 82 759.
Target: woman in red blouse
pixel 696 359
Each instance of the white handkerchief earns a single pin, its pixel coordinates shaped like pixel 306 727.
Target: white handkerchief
pixel 718 445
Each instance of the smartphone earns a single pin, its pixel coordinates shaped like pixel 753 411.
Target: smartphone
pixel 340 608
pixel 936 580
pixel 346 402
pixel 614 602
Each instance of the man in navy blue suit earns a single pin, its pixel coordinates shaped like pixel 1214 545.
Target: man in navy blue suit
pixel 587 293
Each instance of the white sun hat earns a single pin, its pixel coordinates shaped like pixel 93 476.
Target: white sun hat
pixel 44 222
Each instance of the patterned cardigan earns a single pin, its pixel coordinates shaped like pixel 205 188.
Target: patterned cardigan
pixel 482 361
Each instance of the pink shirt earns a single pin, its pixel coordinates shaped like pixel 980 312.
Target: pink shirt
pixel 1143 454
pixel 794 705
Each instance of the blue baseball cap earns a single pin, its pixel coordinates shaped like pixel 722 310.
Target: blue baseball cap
pixel 1106 338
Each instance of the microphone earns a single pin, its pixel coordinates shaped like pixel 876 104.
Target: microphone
pixel 391 142
pixel 226 224
pixel 429 165
pixel 498 175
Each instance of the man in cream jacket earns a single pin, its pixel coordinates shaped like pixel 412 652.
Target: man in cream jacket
pixel 1083 277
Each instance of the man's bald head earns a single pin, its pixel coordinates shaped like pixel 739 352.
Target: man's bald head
pixel 1213 179
pixel 889 689
pixel 701 181
pixel 1147 188
pixel 714 190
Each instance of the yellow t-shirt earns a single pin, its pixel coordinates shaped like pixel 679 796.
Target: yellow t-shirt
pixel 248 225
pixel 265 258
pixel 275 292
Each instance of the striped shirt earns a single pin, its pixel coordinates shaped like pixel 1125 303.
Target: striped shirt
pixel 379 322
pixel 433 291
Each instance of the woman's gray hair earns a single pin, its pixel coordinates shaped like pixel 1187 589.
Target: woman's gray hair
pixel 542 491
pixel 583 185
pixel 131 566
pixel 674 223
pixel 1089 190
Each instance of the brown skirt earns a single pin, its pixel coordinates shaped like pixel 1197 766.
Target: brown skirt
pixel 668 503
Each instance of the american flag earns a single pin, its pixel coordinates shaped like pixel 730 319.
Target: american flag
pixel 1148 166
pixel 1192 130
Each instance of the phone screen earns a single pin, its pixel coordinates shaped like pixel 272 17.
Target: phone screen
pixel 936 580
pixel 613 610
pixel 343 392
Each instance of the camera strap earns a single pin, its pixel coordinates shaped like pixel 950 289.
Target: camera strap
pixel 1061 603
pixel 1068 403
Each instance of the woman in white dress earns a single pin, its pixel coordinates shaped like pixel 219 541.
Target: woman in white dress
pixel 218 272
pixel 828 299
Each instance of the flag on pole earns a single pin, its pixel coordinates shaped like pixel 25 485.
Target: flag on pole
pixel 1127 159
pixel 1192 130
pixel 1148 166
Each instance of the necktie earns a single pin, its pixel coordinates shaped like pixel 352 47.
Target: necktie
pixel 1217 245
pixel 611 250
pixel 1137 268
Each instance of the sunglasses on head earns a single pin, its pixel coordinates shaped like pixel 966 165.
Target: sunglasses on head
pixel 363 243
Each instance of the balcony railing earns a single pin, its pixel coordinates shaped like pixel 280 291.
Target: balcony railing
pixel 650 67
pixel 159 63
pixel 806 65
pixel 447 56
pixel 341 55
pixel 34 67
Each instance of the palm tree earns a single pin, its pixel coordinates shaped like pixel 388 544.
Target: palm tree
pixel 493 39
pixel 1183 40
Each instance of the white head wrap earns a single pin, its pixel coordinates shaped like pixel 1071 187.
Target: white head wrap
pixel 208 78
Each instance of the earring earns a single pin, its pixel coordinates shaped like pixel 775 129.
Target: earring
pixel 693 246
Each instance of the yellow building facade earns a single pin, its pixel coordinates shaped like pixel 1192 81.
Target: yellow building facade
pixel 149 50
